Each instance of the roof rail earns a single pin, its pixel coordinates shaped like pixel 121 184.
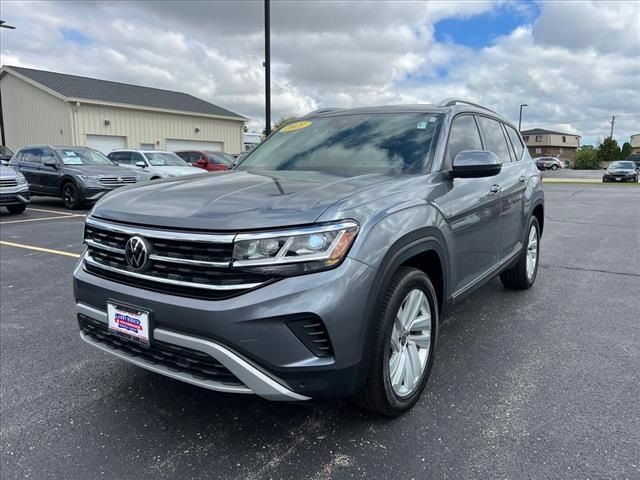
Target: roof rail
pixel 449 102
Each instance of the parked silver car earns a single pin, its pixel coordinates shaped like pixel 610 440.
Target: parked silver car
pixel 549 163
pixel 155 164
pixel 14 190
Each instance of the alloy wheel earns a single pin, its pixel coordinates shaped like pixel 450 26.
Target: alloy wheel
pixel 410 343
pixel 532 252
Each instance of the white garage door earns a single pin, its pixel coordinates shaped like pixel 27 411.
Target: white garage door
pixel 177 145
pixel 105 143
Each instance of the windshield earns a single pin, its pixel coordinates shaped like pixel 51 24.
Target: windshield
pixel 83 156
pixel 5 152
pixel 220 157
pixel 165 159
pixel 624 165
pixel 350 144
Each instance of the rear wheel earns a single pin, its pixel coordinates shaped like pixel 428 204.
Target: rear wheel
pixel 17 208
pixel 70 196
pixel 523 274
pixel 406 329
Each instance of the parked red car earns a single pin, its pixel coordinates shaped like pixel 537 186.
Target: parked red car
pixel 210 161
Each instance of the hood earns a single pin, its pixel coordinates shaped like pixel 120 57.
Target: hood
pixel 177 171
pixel 234 200
pixel 8 172
pixel 106 170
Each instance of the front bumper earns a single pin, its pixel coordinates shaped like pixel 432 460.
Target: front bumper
pixel 250 334
pixel 92 192
pixel 14 195
pixel 620 178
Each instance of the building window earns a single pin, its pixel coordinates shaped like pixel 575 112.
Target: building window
pixel 538 138
pixel 564 139
pixel 538 150
pixel 526 138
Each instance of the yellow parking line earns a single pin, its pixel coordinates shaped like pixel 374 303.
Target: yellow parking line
pixel 50 211
pixel 39 249
pixel 43 219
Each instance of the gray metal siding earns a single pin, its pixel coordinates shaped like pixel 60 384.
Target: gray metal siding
pixel 32 115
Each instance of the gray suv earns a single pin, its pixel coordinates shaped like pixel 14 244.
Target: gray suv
pixel 322 265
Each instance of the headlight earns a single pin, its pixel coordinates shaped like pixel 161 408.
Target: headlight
pixel 292 252
pixel 21 180
pixel 89 178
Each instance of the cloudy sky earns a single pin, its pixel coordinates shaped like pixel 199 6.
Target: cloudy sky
pixel 574 63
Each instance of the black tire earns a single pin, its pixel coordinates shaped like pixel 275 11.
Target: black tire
pixel 17 208
pixel 378 395
pixel 70 196
pixel 554 167
pixel 516 277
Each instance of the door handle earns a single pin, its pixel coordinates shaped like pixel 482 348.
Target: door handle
pixel 522 178
pixel 494 188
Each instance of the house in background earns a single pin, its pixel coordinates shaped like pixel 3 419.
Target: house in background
pixel 42 107
pixel 549 143
pixel 635 144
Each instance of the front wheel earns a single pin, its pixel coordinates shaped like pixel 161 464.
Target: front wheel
pixel 554 167
pixel 70 196
pixel 406 329
pixel 523 274
pixel 17 208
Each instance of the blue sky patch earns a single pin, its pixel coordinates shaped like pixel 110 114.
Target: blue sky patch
pixel 75 36
pixel 481 30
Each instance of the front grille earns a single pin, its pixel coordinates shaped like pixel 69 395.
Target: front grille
pixel 311 331
pixel 179 263
pixel 118 180
pixel 8 182
pixel 175 358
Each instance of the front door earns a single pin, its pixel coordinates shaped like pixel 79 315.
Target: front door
pixel 50 176
pixel 472 209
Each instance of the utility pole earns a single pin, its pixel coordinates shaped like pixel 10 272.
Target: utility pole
pixel 267 65
pixel 520 121
pixel 612 122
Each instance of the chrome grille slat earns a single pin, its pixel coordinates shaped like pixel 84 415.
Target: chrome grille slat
pixel 118 180
pixel 9 182
pixel 176 264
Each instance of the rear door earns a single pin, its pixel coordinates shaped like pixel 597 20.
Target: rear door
pixel 29 166
pixel 512 183
pixel 472 210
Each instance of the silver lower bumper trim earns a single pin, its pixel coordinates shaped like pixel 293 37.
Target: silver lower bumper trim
pixel 254 380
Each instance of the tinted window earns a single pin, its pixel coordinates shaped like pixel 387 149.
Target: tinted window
pixel 515 141
pixel 350 144
pixel 32 155
pixel 121 157
pixel 462 136
pixel 136 157
pixel 494 138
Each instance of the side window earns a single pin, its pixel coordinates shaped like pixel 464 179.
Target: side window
pixel 123 158
pixel 463 135
pixel 48 155
pixel 135 158
pixel 515 141
pixel 33 155
pixel 195 156
pixel 494 138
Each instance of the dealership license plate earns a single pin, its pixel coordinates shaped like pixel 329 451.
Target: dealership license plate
pixel 129 322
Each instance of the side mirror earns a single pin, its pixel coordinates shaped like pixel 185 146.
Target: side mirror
pixel 475 164
pixel 140 164
pixel 50 163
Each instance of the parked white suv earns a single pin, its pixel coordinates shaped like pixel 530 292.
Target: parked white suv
pixel 154 163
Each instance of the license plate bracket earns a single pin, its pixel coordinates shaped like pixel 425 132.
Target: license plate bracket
pixel 129 322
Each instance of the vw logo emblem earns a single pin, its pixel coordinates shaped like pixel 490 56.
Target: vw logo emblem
pixel 119 180
pixel 136 253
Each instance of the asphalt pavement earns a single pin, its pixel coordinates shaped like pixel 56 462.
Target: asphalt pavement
pixel 540 384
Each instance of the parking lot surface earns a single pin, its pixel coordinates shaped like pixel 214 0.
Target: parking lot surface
pixel 537 384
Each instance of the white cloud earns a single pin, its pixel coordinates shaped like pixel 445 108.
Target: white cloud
pixel 577 64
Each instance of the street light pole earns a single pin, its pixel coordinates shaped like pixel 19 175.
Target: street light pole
pixel 267 65
pixel 520 120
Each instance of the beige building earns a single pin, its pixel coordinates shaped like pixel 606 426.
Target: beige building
pixel 41 107
pixel 635 144
pixel 548 143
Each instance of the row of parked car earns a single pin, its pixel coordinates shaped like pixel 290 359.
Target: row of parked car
pixel 80 175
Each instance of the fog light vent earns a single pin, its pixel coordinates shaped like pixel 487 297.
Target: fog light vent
pixel 313 334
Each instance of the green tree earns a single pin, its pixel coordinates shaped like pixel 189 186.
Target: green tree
pixel 608 150
pixel 587 158
pixel 626 150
